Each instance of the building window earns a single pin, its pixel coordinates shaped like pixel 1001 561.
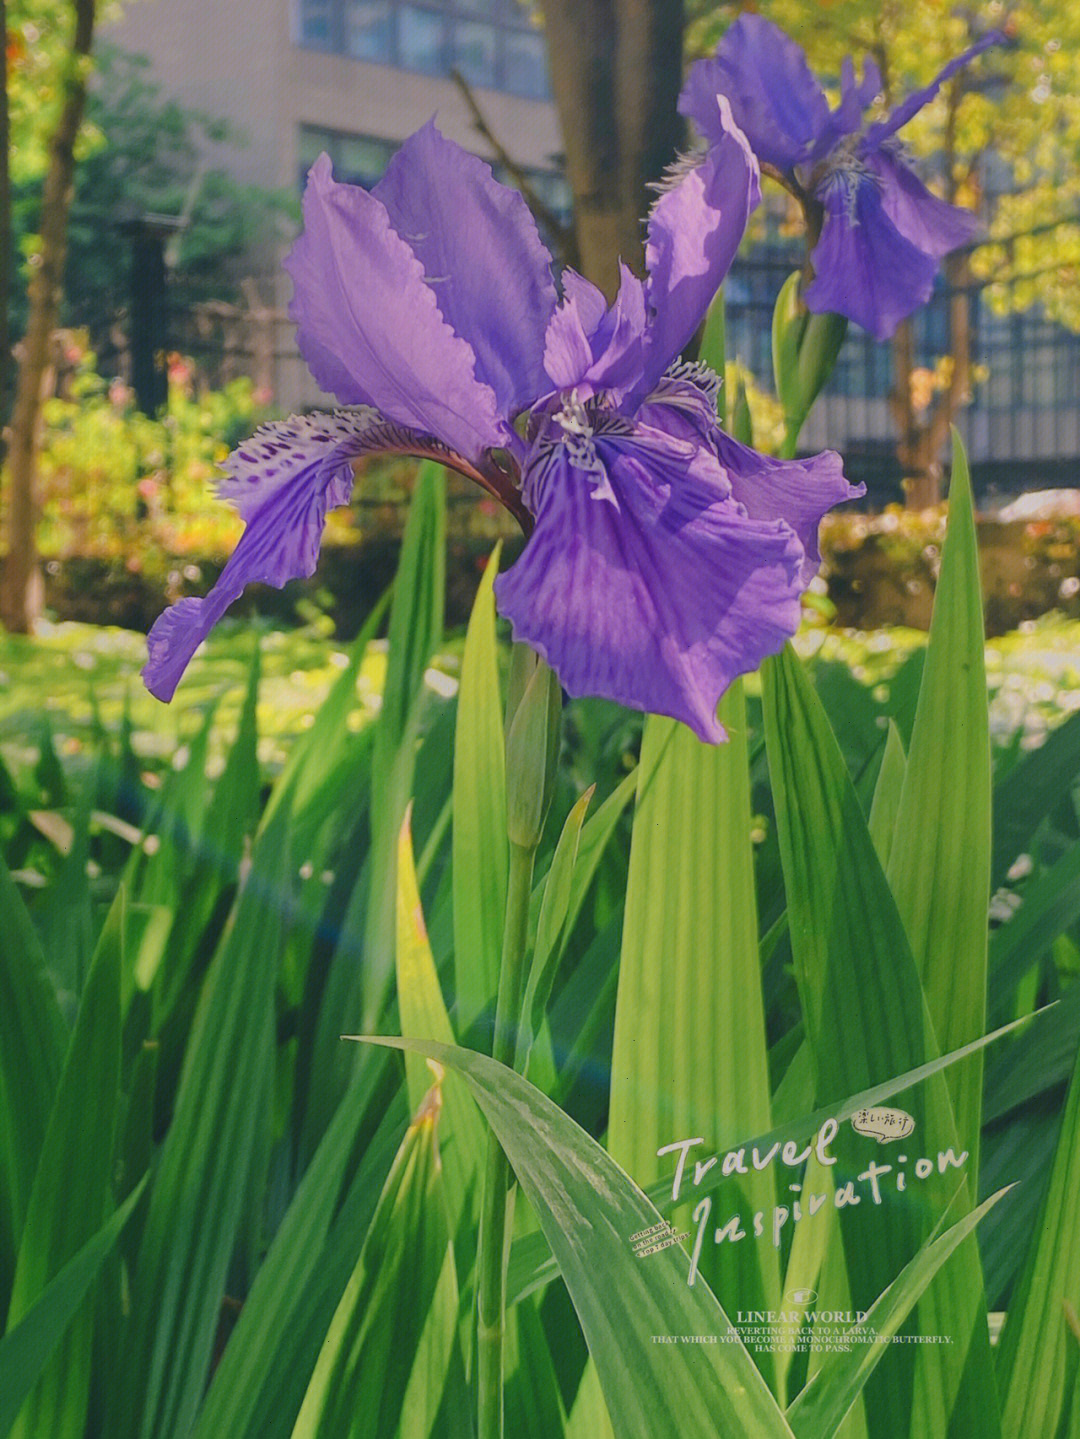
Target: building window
pixel 369 30
pixel 317 24
pixel 492 43
pixel 422 35
pixel 474 52
pixel 526 65
pixel 357 159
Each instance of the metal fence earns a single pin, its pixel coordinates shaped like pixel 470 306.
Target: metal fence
pixel 1021 427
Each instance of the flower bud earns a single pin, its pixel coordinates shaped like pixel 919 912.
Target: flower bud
pixel 805 348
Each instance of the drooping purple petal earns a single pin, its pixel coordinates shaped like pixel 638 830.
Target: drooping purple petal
pixel 774 96
pixel 482 255
pixel 910 107
pixel 694 231
pixel 370 328
pixel 799 492
pixel 932 225
pixel 659 595
pixel 283 480
pixel 863 267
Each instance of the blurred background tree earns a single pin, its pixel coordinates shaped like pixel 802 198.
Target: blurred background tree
pixel 70 53
pixel 138 153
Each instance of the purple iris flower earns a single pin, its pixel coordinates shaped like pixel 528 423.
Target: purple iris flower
pixel 879 233
pixel 662 560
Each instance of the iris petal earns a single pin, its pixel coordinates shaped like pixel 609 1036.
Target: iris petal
pixel 370 328
pixel 863 267
pixel 774 96
pixel 910 107
pixel 798 492
pixel 660 599
pixel 483 256
pixel 932 225
pixel 694 231
pixel 283 481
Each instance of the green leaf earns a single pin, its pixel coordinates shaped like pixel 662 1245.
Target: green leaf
pixel 273 1309
pixel 887 792
pixel 1030 791
pixel 534 1408
pixel 595 838
pixel 819 1409
pixel 33 1039
pixel 416 620
pixel 479 800
pixel 866 1020
pixel 211 866
pixel 199 1185
pixel 554 906
pixel 423 1014
pixel 1039 1058
pixel 531 1264
pixel 71 1194
pixel 1032 1353
pixel 939 864
pixel 26 1349
pixel 689 1056
pixel 1049 904
pixel 315 756
pixel 589 1417
pixel 589 1209
pixel 391 1347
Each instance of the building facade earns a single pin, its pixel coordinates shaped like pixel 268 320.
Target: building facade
pixel 354 78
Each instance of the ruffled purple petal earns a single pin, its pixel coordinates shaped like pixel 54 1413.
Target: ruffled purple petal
pixel 799 492
pixel 863 267
pixel 694 231
pixel 657 591
pixel 283 480
pixel 907 109
pixel 482 255
pixel 591 348
pixel 855 100
pixel 370 328
pixel 933 226
pixel 774 96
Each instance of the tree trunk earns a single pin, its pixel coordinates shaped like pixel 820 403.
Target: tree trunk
pixel 5 230
pixel 922 434
pixel 616 71
pixel 20 567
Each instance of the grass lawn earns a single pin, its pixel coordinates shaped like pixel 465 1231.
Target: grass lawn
pixel 75 680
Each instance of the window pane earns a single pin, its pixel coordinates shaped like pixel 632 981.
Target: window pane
pixel 357 159
pixel 317 23
pixel 368 32
pixel 526 65
pixel 361 161
pixel 422 40
pixel 474 52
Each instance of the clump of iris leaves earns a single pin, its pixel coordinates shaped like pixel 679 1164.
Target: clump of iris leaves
pixel 218 1218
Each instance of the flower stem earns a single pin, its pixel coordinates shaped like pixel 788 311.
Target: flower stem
pixel 494 1216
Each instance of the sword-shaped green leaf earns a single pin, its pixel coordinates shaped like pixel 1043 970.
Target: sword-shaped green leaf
pixel 590 1210
pixel 866 1019
pixel 939 864
pixel 690 1056
pixel 479 798
pixel 1033 1353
